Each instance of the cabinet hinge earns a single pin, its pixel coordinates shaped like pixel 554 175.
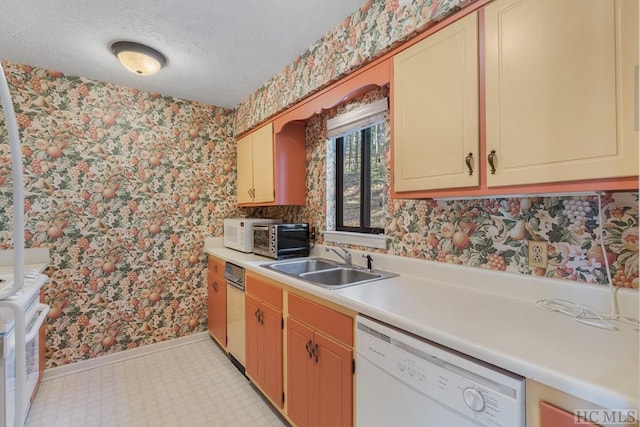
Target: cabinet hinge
pixel 353 366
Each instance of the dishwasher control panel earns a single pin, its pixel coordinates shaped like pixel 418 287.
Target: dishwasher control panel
pixel 482 393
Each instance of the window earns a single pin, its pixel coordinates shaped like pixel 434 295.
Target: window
pixel 360 180
pixel 358 141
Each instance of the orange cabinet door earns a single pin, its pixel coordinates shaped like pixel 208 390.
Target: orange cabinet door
pixel 210 309
pixel 217 300
pixel 332 404
pixel 263 343
pixel 215 267
pixel 552 416
pixel 219 307
pixel 252 307
pixel 300 370
pixel 271 353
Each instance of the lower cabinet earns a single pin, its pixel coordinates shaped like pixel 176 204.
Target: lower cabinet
pixel 316 359
pixel 319 366
pixel 263 335
pixel 552 416
pixel 549 407
pixel 217 301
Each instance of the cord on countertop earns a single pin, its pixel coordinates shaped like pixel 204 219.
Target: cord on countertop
pixel 583 313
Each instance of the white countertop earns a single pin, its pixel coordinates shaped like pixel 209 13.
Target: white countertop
pixel 492 316
pixel 8 270
pixel 35 259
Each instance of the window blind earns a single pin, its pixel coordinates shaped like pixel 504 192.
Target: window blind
pixel 357 119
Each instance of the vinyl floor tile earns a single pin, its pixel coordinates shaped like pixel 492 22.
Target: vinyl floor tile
pixel 190 385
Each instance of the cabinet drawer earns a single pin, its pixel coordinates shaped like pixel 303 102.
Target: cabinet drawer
pixel 263 290
pixel 216 267
pixel 552 416
pixel 322 318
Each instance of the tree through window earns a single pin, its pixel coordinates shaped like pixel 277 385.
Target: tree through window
pixel 360 175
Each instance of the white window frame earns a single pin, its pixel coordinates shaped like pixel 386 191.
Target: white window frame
pixel 338 126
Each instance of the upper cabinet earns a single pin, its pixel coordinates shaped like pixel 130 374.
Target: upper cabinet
pixel 271 168
pixel 560 90
pixel 435 110
pixel 543 100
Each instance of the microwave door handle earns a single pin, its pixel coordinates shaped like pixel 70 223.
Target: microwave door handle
pixel 43 311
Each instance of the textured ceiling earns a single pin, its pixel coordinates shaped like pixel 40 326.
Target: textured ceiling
pixel 218 51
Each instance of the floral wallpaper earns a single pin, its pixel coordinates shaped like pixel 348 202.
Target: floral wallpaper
pixel 487 233
pixel 369 32
pixel 122 186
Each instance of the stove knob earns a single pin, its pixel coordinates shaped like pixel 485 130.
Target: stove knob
pixel 473 399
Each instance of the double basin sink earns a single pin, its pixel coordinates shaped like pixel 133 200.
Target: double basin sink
pixel 326 273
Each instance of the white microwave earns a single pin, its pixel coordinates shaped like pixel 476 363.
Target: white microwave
pixel 238 232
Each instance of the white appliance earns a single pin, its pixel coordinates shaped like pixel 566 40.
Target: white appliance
pixel 234 276
pixel 16 286
pixel 406 381
pixel 238 232
pixel 26 301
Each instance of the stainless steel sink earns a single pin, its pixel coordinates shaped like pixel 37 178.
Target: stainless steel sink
pixel 328 274
pixel 297 267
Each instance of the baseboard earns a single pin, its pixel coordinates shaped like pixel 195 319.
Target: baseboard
pixel 109 359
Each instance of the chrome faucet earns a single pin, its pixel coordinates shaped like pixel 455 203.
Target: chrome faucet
pixel 346 256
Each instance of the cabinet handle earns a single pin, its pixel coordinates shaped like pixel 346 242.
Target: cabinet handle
pixel 315 352
pixel 215 268
pixel 261 317
pixel 492 158
pixel 468 160
pixel 257 314
pixel 215 286
pixel 308 347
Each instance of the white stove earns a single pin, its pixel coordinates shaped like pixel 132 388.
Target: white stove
pixel 28 297
pixel 19 353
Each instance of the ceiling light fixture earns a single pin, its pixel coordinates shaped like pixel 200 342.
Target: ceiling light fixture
pixel 138 58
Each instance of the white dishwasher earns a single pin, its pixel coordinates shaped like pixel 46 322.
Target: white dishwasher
pixel 406 381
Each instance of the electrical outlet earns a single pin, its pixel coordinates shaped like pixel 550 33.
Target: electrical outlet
pixel 538 254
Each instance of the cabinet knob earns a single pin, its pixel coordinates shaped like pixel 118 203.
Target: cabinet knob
pixel 315 352
pixel 469 161
pixel 492 158
pixel 308 347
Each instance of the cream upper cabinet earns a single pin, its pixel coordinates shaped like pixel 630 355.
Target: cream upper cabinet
pixel 561 90
pixel 263 164
pixel 245 169
pixel 272 168
pixel 435 110
pixel 255 166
